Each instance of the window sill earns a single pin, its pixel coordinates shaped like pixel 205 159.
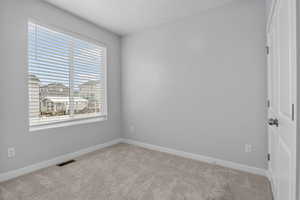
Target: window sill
pixel 71 122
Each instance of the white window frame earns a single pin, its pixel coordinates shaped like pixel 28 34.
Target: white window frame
pixel 70 121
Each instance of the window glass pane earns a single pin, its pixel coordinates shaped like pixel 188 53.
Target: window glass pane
pixel 48 60
pixel 88 79
pixel 66 76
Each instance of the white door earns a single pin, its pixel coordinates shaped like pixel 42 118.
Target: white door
pixel 282 99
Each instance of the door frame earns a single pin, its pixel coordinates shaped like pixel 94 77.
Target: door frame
pixel 296 30
pixel 298 96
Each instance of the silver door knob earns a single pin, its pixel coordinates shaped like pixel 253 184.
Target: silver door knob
pixel 273 122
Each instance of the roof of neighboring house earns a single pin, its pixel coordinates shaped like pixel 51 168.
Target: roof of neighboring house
pixel 54 85
pixel 34 78
pixel 65 99
pixel 92 82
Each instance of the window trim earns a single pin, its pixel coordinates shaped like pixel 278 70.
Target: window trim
pixel 72 120
pixel 67 122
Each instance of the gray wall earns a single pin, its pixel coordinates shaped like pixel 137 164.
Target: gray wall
pixel 199 84
pixel 268 7
pixel 33 147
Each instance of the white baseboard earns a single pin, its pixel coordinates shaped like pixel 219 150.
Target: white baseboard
pixel 25 170
pixel 224 163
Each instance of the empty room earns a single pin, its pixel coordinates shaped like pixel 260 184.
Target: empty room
pixel 149 100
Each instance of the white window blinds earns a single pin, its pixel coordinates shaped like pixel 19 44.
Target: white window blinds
pixel 67 77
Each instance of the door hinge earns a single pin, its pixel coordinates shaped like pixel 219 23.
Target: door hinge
pixel 293 112
pixel 268 50
pixel 268 103
pixel 268 157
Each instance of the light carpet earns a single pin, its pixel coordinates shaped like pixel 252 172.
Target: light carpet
pixel 128 172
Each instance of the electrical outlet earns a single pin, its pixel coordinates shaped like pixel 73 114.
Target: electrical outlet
pixel 248 148
pixel 11 152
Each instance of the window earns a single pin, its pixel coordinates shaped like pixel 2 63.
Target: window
pixel 67 77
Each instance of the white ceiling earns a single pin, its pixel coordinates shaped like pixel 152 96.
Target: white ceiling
pixel 129 16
